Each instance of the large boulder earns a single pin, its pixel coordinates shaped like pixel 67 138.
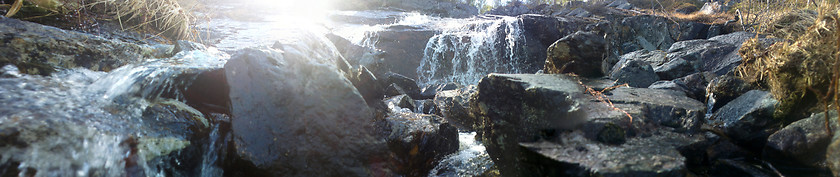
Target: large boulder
pixel 295 114
pixel 581 53
pixel 635 73
pixel 747 120
pixel 802 143
pixel 707 55
pixel 515 108
pixel 39 49
pixel 402 50
pixel 419 141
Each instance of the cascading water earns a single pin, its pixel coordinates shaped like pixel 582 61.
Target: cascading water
pixel 79 122
pixel 468 49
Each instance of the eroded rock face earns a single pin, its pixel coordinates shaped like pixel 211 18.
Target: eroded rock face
pixel 581 53
pixel 38 49
pixel 286 124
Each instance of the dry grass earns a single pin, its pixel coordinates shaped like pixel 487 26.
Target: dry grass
pixel 718 18
pixel 166 17
pixel 805 69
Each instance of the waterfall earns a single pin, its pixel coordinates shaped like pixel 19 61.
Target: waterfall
pixel 468 49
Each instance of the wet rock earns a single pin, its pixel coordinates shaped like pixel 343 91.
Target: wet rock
pixel 748 119
pixel 175 119
pixel 356 55
pixel 721 90
pixel 572 155
pixel 283 123
pixel 427 106
pixel 635 73
pixel 707 55
pixel 581 53
pixel 454 105
pixel 431 90
pixel 419 141
pixel 675 68
pixel 198 96
pixel 368 85
pixel 833 155
pixel 401 84
pixel 514 108
pixel 400 102
pixel 402 50
pixel 802 143
pixel 38 49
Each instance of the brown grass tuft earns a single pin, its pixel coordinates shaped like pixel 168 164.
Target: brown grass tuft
pixel 802 70
pixel 166 17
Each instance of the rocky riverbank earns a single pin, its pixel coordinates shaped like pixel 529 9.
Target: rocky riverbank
pixel 595 89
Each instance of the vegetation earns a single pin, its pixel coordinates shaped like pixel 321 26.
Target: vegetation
pixel 804 68
pixel 167 18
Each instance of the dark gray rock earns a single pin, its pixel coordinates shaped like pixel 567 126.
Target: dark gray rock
pixel 635 73
pixel 721 90
pixel 541 32
pixel 427 107
pixel 730 167
pixel 572 155
pixel 454 106
pixel 399 84
pixel 368 85
pixel 581 53
pixel 675 68
pixel 620 4
pixel 736 38
pixel 706 55
pixel 400 102
pixel 695 84
pixel 38 49
pixel 402 50
pixel 285 124
pixel 430 91
pixel 662 107
pixel 419 141
pixel 655 57
pixel 802 143
pixel 747 120
pixel 579 12
pixel 514 108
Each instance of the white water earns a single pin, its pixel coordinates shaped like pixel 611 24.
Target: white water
pixel 469 49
